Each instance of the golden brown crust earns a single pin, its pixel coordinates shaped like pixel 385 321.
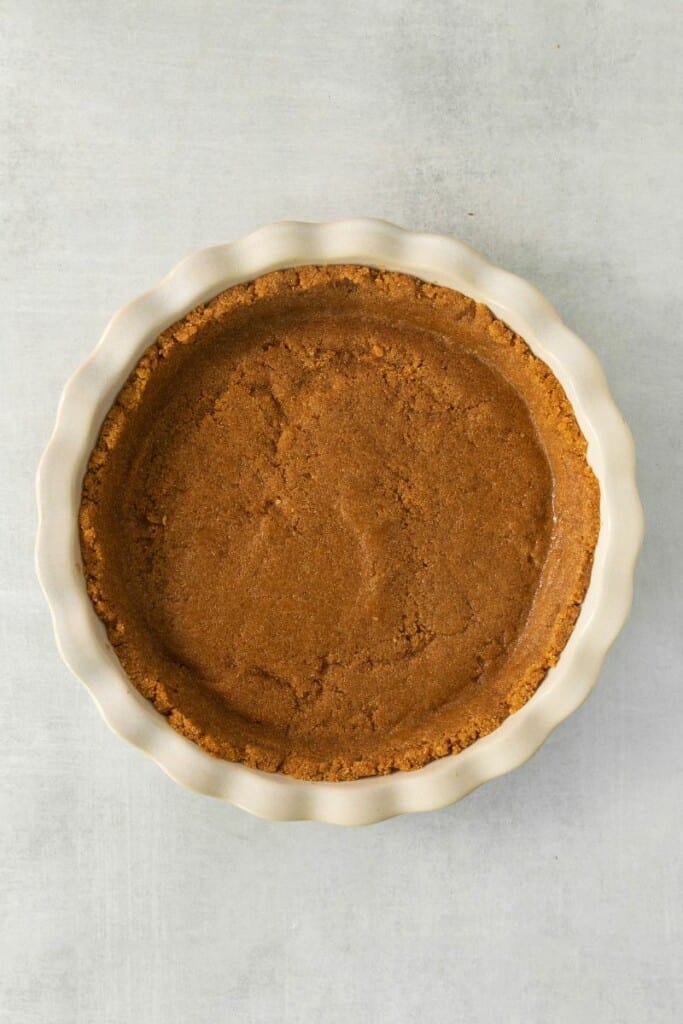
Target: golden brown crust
pixel 338 522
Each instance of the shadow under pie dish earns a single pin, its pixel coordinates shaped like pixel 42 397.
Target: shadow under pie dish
pixel 338 522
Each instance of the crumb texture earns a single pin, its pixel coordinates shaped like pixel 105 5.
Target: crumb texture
pixel 338 522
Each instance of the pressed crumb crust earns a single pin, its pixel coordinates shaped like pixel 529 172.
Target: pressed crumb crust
pixel 338 522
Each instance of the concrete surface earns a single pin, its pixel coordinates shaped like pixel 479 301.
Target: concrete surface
pixel 548 136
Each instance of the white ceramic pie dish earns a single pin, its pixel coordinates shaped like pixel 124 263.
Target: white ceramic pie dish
pixel 81 637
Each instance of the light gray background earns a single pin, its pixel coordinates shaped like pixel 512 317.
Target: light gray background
pixel 545 134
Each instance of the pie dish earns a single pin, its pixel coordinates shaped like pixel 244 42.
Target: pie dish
pixel 339 521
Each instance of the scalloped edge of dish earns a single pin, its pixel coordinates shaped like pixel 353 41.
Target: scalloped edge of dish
pixel 87 396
